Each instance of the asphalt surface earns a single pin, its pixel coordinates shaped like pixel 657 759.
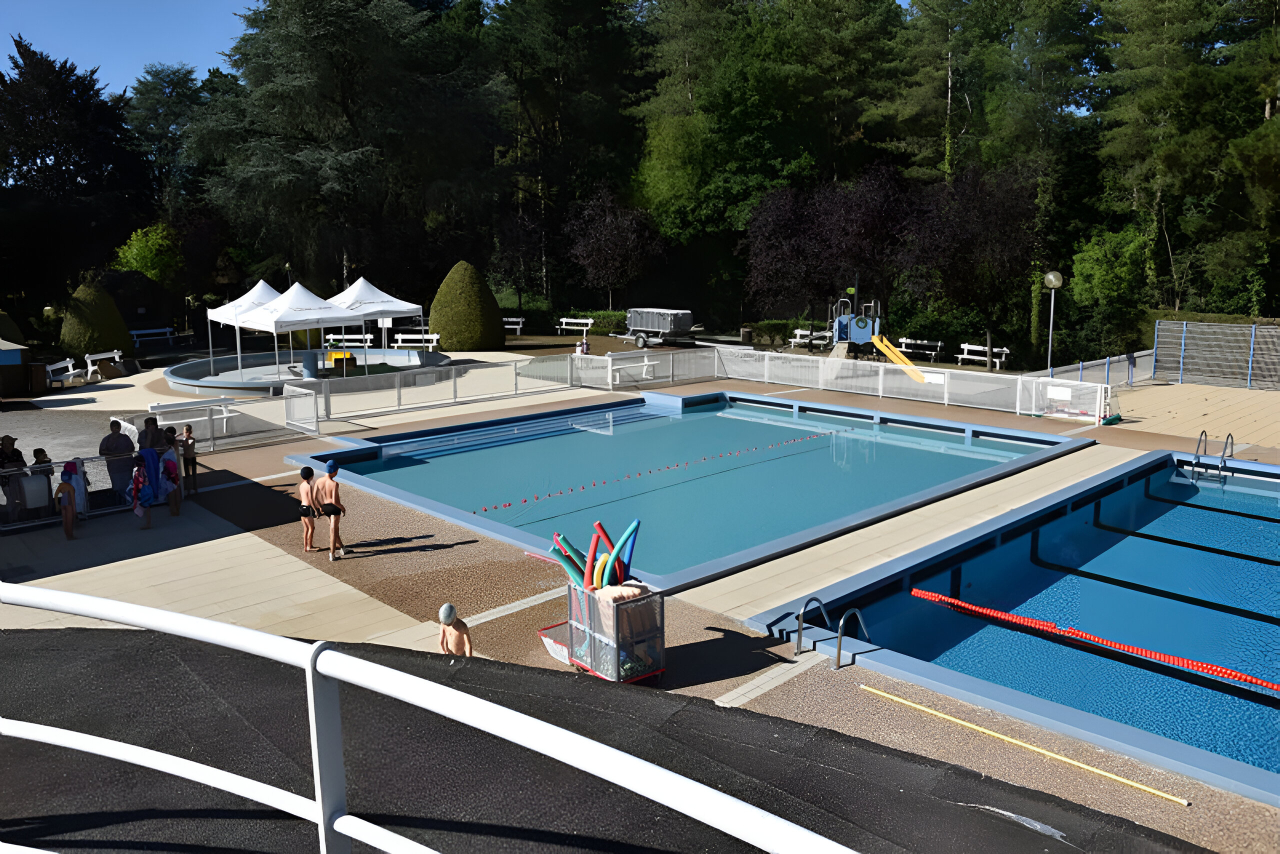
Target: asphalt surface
pixel 454 788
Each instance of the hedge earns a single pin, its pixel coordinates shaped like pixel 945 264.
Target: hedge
pixel 605 321
pixel 465 313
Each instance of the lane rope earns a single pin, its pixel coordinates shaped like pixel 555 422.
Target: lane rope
pixel 1052 628
pixel 1032 747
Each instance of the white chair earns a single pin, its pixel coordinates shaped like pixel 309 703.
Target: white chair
pixel 91 362
pixel 68 373
pixel 515 325
pixel 575 324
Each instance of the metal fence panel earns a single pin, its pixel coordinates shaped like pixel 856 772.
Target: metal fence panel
pixel 26 494
pixel 1113 370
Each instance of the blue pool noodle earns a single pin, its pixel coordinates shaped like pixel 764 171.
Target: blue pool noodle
pixel 631 546
pixel 617 551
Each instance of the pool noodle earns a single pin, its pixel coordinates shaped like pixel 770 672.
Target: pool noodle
pixel 604 538
pixel 631 547
pixel 617 552
pixel 567 547
pixel 575 575
pixel 591 550
pixel 599 570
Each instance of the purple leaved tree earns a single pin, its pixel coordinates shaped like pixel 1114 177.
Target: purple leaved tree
pixel 611 243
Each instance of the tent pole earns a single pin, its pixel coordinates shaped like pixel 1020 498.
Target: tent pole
pixel 323 350
pixel 290 334
pixel 239 361
pixel 422 331
pixel 275 339
pixel 364 336
pixel 210 323
pixel 344 350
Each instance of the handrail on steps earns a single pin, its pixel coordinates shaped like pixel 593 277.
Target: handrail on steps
pixel 800 619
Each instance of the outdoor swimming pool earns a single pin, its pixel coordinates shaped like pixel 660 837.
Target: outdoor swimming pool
pixel 712 480
pixel 1154 560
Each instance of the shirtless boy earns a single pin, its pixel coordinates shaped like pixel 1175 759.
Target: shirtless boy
pixel 307 511
pixel 455 637
pixel 324 494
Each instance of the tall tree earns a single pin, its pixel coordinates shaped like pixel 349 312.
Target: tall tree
pixel 612 243
pixel 164 100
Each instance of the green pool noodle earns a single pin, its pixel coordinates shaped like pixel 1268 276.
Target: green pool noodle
pixel 575 575
pixel 578 557
pixel 617 551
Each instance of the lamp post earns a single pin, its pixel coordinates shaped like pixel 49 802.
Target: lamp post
pixel 1052 281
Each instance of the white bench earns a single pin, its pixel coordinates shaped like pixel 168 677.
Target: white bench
pixel 349 340
pixel 61 379
pixel 932 349
pixel 804 337
pixel 646 370
pixel 978 353
pixel 575 324
pixel 91 362
pixel 514 324
pixel 430 340
pixel 222 415
pixel 140 335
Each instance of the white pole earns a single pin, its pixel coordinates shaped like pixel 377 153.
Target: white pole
pixel 1052 299
pixel 365 337
pixel 239 361
pixel 275 339
pixel 422 330
pixel 210 324
pixel 344 350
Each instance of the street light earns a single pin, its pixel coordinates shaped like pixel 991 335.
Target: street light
pixel 1052 281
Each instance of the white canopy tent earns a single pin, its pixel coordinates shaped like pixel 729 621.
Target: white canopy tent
pixel 258 296
pixel 297 308
pixel 363 297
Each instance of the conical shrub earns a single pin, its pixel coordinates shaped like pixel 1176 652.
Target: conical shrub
pixel 92 323
pixel 9 330
pixel 465 313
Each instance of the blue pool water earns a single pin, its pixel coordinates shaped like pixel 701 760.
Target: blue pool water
pixel 706 484
pixel 1232 620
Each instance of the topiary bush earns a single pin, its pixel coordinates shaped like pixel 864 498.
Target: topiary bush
pixel 465 313
pixel 9 330
pixel 92 323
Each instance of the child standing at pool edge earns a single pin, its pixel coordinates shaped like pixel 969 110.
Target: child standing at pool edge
pixel 307 510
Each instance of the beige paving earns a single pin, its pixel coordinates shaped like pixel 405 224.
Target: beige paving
pixel 770 679
pixel 777 582
pixel 1250 415
pixel 238 579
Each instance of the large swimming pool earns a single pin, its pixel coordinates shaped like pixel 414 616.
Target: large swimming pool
pixel 1162 560
pixel 708 478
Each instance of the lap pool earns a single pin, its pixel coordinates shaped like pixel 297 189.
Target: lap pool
pixel 717 480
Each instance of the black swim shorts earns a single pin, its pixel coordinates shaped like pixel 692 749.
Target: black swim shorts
pixel 306 512
pixel 330 509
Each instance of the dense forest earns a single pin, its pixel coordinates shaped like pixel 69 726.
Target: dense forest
pixel 745 159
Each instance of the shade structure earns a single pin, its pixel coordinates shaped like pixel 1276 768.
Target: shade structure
pixel 258 296
pixel 363 297
pixel 298 308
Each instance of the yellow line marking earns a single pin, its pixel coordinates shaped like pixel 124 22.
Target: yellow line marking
pixel 1039 750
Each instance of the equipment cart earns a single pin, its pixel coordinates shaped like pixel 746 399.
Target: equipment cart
pixel 617 641
pixel 647 326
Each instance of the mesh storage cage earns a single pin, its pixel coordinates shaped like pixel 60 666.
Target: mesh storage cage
pixel 661 320
pixel 617 641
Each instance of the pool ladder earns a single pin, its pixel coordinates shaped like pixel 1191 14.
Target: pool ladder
pixel 835 663
pixel 1228 452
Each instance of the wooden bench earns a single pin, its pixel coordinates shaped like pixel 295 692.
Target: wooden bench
pixel 349 340
pixel 978 353
pixel 514 324
pixel 932 349
pixel 140 335
pixel 91 362
pixel 69 372
pixel 804 337
pixel 575 324
pixel 414 340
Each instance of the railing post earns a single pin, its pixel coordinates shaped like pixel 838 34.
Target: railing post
pixel 328 403
pixel 1182 354
pixel 766 366
pixel 1108 373
pixel 1080 378
pixel 1017 398
pixel 453 376
pixel 213 443
pixel 1099 409
pixel 880 390
pixel 515 377
pixel 1155 348
pixel 946 389
pixel 326 753
pixel 397 391
pixel 1253 335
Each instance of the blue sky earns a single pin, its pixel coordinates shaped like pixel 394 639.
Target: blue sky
pixel 121 36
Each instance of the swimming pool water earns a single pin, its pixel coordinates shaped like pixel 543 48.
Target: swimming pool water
pixel 705 484
pixel 1228 718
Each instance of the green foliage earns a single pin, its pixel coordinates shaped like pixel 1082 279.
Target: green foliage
pixel 92 323
pixel 606 322
pixel 9 330
pixel 773 333
pixel 1110 278
pixel 154 252
pixel 465 314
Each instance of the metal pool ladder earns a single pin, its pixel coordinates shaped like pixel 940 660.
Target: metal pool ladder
pixel 835 664
pixel 800 619
pixel 1228 452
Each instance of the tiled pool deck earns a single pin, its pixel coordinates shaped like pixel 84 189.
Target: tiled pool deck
pixel 243 541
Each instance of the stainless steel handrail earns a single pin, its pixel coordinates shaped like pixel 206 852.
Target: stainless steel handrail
pixel 800 619
pixel 1222 461
pixel 1204 437
pixel 835 665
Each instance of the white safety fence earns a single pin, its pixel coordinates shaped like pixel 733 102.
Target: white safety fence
pixel 1022 395
pixel 225 423
pixel 325 669
pixel 1112 371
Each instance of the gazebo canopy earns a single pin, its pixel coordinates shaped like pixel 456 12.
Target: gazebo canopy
pixel 364 298
pixel 258 296
pixel 298 308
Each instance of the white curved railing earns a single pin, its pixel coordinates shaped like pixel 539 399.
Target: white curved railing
pixel 325 668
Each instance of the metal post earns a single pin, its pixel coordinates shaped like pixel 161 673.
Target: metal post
pixel 326 754
pixel 766 367
pixel 515 377
pixel 1182 354
pixel 1017 398
pixel 397 390
pixel 880 390
pixel 328 403
pixel 1080 378
pixel 453 373
pixel 275 339
pixel 946 389
pixel 209 322
pixel 1053 298
pixel 1108 373
pixel 1155 348
pixel 239 362
pixel 1099 409
pixel 208 413
pixel 422 331
pixel 1252 337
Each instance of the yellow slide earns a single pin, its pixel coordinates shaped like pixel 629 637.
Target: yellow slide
pixel 883 345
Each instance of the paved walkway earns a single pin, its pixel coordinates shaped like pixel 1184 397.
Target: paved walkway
pixel 1250 415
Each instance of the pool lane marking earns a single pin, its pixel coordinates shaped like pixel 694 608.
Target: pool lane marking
pixel 1031 747
pixel 504 610
pixel 770 679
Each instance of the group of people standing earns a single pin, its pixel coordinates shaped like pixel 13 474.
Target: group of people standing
pixel 162 470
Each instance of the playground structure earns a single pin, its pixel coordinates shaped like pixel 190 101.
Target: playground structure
pixel 864 328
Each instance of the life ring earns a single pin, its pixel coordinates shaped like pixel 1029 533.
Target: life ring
pixel 860 322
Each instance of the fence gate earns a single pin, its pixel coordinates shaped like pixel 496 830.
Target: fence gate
pixel 301 409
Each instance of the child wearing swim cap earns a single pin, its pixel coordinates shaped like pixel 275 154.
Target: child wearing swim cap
pixel 455 637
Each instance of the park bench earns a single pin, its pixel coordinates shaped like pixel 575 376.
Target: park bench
pixel 804 337
pixel 69 372
pixel 575 324
pixel 932 349
pixel 514 324
pixel 91 362
pixel 978 353
pixel 414 340
pixel 349 340
pixel 141 335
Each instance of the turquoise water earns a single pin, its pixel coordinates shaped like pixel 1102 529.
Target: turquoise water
pixel 704 485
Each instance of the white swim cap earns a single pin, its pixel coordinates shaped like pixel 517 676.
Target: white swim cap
pixel 448 614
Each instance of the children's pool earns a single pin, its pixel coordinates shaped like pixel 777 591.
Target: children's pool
pixel 708 479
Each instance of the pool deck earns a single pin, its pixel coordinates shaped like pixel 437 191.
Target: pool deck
pixel 241 536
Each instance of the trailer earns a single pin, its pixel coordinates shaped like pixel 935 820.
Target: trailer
pixel 647 326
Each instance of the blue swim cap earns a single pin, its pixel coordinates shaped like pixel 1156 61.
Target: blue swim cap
pixel 66 477
pixel 331 466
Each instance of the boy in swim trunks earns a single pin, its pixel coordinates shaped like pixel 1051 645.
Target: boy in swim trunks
pixel 324 494
pixel 455 637
pixel 307 512
pixel 65 498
